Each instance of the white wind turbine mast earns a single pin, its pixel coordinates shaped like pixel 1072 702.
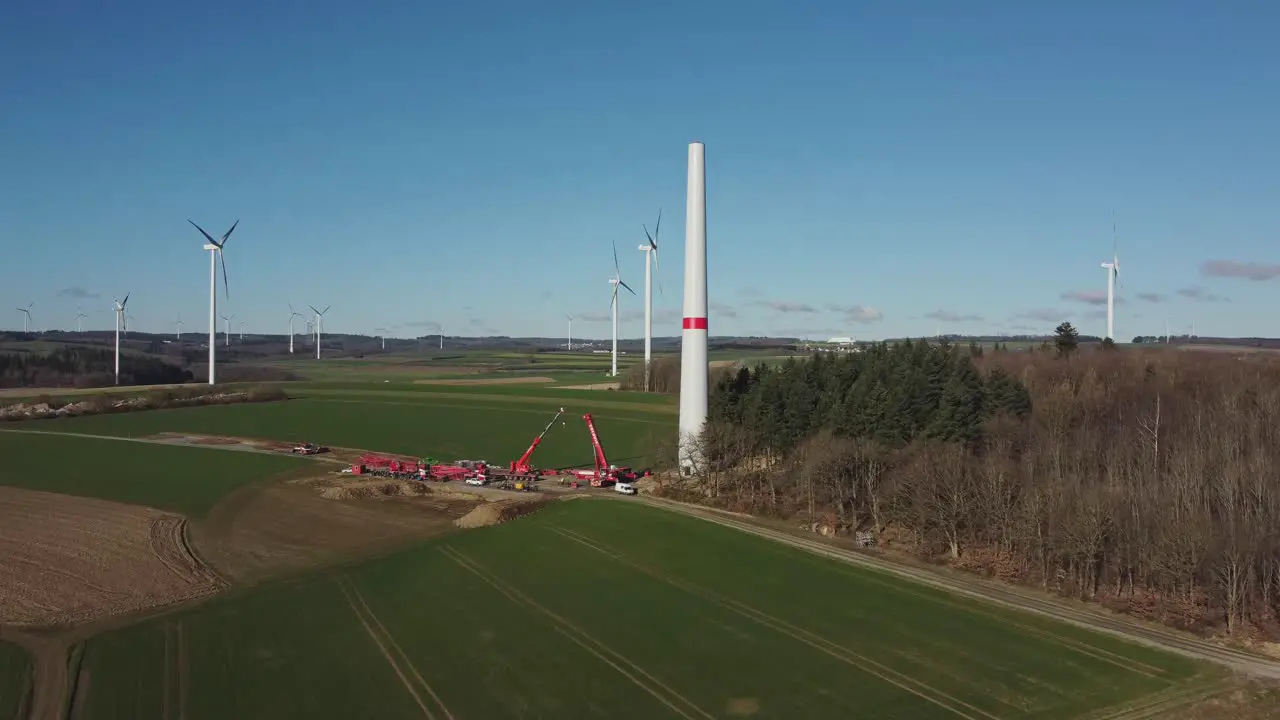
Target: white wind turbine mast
pixel 650 267
pixel 382 336
pixel 119 308
pixel 226 330
pixel 319 325
pixel 569 345
pixel 240 327
pixel 616 282
pixel 79 316
pixel 1113 274
pixel 178 323
pixel 292 315
pixel 215 252
pixel 26 315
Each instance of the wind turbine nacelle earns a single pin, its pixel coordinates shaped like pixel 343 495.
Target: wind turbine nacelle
pixel 210 247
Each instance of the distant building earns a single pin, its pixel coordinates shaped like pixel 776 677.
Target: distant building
pixel 841 341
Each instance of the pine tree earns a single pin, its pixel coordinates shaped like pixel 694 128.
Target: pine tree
pixel 1066 338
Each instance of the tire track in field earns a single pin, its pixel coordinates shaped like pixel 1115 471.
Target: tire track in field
pixel 839 652
pixel 353 597
pixel 628 669
pixel 1085 648
pixel 180 689
pixel 166 707
pixel 1012 596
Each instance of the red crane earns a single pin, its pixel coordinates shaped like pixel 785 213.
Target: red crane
pixel 604 472
pixel 522 465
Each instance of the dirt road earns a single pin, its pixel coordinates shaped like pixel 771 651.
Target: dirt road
pixel 1011 596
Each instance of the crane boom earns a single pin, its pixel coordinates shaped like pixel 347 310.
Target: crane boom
pixel 522 465
pixel 602 462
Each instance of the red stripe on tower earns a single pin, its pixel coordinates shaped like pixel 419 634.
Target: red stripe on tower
pixel 695 323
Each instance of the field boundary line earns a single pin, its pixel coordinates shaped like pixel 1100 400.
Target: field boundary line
pixel 166 707
pixel 180 687
pixel 580 637
pixel 386 654
pixel 1170 698
pixel 901 680
pixel 404 657
pixel 1011 596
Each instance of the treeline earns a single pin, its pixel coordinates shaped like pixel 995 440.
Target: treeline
pixel 1148 480
pixel 85 367
pixel 51 406
pixel 664 376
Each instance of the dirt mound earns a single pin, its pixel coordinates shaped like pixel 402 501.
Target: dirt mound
pixel 498 512
pixel 66 559
pixel 486 381
pixel 386 488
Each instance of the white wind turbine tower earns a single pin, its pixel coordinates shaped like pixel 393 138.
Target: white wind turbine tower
pixel 26 315
pixel 119 308
pixel 79 316
pixel 293 315
pixel 226 330
pixel 178 323
pixel 1113 274
pixel 215 252
pixel 240 327
pixel 382 336
pixel 569 317
pixel 650 267
pixel 319 325
pixel 616 282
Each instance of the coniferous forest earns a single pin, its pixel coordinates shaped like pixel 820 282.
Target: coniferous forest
pixel 1144 479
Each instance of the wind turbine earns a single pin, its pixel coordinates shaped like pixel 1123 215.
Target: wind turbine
pixel 570 319
pixel 26 315
pixel 79 316
pixel 240 327
pixel 119 308
pixel 179 324
pixel 382 336
pixel 127 318
pixel 215 252
pixel 319 325
pixel 616 282
pixel 226 333
pixel 650 266
pixel 293 315
pixel 1113 274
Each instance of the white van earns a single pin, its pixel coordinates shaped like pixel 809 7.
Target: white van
pixel 624 488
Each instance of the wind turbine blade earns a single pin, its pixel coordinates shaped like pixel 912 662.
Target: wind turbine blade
pixel 226 289
pixel 628 287
pixel 233 229
pixel 656 228
pixel 616 269
pixel 326 309
pixel 125 301
pixel 206 235
pixel 313 309
pixel 652 244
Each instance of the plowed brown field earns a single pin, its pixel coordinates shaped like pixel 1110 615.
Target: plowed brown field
pixel 68 559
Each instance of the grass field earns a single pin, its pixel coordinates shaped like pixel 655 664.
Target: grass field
pixel 15 679
pixel 186 480
pixel 609 609
pixel 441 425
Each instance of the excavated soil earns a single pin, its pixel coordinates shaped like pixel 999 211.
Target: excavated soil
pixel 377 489
pixel 498 512
pixel 260 531
pixel 67 560
pixel 486 381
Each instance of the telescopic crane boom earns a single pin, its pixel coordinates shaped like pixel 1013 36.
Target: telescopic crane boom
pixel 522 465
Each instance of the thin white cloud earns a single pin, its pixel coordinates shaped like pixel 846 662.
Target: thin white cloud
pixel 1257 272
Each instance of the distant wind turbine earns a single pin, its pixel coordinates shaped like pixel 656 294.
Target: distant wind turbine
pixel 226 333
pixel 570 319
pixel 382 336
pixel 240 327
pixel 650 267
pixel 1113 274
pixel 26 315
pixel 293 315
pixel 616 282
pixel 179 325
pixel 319 325
pixel 79 316
pixel 215 254
pixel 119 308
pixel 127 318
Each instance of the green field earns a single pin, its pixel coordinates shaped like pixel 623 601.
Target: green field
pixel 186 480
pixel 441 426
pixel 610 609
pixel 15 679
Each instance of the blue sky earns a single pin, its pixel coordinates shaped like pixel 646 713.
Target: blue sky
pixel 875 169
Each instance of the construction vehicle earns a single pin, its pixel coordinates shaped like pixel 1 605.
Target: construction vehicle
pixel 522 466
pixel 305 448
pixel 603 473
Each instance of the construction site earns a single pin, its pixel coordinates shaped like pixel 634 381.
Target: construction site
pixel 520 474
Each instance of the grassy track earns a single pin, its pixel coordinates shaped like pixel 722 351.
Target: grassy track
pixel 445 429
pixel 609 609
pixel 15 679
pixel 186 480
